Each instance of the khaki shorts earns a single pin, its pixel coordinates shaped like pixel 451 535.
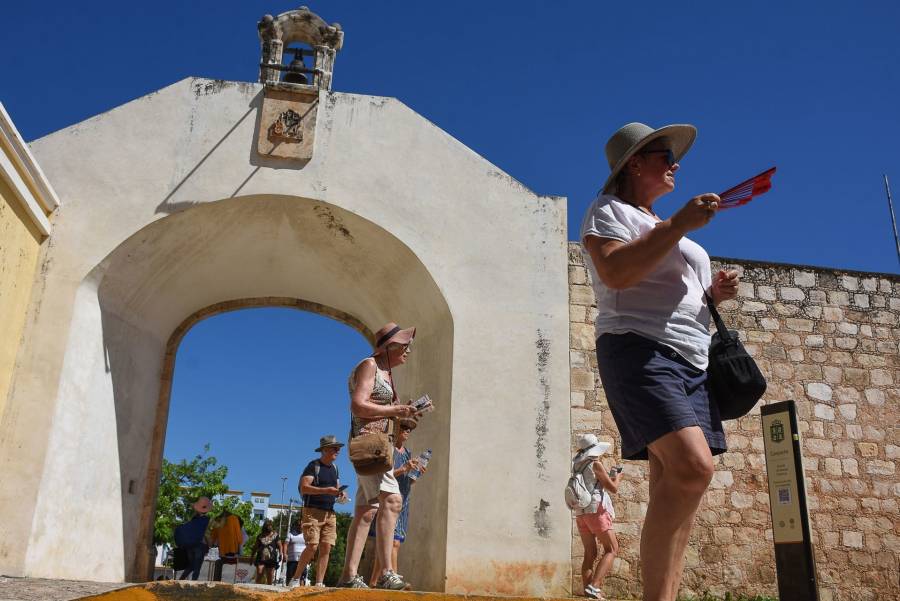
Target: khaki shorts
pixel 318 525
pixel 371 486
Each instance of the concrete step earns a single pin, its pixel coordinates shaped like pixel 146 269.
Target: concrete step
pixel 218 591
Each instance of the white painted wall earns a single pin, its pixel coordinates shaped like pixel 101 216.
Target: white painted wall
pixel 167 210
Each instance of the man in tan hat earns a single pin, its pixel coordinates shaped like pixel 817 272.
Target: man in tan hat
pixel 320 486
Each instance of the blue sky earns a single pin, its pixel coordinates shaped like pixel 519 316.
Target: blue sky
pixel 536 88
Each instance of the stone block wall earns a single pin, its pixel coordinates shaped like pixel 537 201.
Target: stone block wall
pixel 827 339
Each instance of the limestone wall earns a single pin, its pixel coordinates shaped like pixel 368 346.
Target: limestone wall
pixel 827 339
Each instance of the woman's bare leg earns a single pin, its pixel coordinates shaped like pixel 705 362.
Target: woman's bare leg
pixel 590 557
pixel 376 572
pixel 356 539
pixel 610 549
pixel 395 551
pixel 390 505
pixel 681 468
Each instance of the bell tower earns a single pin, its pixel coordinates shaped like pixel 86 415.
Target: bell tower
pixel 292 85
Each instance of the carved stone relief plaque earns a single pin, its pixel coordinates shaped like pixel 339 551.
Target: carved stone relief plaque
pixel 287 124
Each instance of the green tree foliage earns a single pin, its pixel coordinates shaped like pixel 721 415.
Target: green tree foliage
pixel 182 483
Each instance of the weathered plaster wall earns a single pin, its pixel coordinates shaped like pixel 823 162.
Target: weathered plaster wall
pixel 20 245
pixel 169 211
pixel 827 339
pixel 27 202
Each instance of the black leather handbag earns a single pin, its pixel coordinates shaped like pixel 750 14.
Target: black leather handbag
pixel 735 381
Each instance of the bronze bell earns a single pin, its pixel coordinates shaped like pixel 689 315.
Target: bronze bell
pixel 294 75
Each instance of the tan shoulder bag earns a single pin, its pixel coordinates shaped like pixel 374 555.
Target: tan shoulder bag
pixel 373 453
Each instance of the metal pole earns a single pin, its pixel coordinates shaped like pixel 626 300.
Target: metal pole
pixel 887 189
pixel 281 511
pixel 283 565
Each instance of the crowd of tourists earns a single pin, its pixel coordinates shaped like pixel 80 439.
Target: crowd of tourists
pixel 655 291
pixel 385 473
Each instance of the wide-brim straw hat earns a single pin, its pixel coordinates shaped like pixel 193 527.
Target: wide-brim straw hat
pixel 631 138
pixel 409 424
pixel 392 333
pixel 329 440
pixel 589 446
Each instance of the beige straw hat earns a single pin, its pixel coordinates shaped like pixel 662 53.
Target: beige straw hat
pixel 630 138
pixel 392 333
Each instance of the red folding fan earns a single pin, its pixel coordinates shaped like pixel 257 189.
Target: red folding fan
pixel 744 192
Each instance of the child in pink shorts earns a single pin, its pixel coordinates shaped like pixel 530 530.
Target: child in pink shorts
pixel 595 521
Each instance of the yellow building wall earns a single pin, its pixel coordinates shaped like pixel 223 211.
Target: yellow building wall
pixel 20 244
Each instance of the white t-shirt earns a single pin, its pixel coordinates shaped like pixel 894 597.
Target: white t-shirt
pixel 295 545
pixel 668 304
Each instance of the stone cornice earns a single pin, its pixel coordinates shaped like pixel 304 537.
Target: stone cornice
pixel 20 170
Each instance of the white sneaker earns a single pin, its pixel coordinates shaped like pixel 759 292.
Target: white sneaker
pixel 295 583
pixel 593 593
pixel 320 585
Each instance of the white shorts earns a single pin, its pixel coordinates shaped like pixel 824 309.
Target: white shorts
pixel 369 487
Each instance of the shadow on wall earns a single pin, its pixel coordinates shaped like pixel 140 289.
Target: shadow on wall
pixel 255 251
pixel 174 201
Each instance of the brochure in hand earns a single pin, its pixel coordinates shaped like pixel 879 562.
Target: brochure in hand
pixel 423 404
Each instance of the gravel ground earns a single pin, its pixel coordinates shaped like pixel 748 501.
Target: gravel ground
pixel 39 589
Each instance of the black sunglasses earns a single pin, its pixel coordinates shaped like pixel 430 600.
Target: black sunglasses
pixel 670 156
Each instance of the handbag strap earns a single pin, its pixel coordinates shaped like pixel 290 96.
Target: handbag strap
pixel 389 430
pixel 721 328
pixel 724 332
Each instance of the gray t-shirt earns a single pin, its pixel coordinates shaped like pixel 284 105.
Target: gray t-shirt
pixel 668 304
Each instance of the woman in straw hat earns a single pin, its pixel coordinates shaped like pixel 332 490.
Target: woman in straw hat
pixel 653 335
pixel 594 522
pixel 372 405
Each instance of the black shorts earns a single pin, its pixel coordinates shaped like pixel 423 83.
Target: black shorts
pixel 652 390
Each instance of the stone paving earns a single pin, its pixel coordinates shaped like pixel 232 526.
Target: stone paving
pixel 32 589
pixel 40 589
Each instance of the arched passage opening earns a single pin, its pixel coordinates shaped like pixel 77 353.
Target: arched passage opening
pixel 260 381
pixel 250 251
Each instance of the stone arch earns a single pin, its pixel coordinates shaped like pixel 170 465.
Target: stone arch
pixel 143 553
pixel 252 251
pixel 471 253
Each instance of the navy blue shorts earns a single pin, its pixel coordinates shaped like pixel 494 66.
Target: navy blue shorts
pixel 652 390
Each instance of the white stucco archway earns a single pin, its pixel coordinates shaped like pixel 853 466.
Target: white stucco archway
pixel 168 210
pixel 243 251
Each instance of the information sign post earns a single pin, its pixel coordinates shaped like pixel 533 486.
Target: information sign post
pixel 794 561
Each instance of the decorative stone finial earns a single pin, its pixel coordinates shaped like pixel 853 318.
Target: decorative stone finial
pixel 298 26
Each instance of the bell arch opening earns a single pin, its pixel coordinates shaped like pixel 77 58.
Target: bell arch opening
pixel 264 250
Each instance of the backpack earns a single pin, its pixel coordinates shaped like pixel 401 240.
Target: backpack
pixel 577 494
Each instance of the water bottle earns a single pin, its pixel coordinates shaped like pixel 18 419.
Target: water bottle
pixel 423 462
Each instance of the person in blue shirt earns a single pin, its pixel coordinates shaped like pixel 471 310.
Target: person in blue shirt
pixel 190 537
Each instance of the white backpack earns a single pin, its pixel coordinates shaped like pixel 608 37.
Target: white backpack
pixel 577 493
